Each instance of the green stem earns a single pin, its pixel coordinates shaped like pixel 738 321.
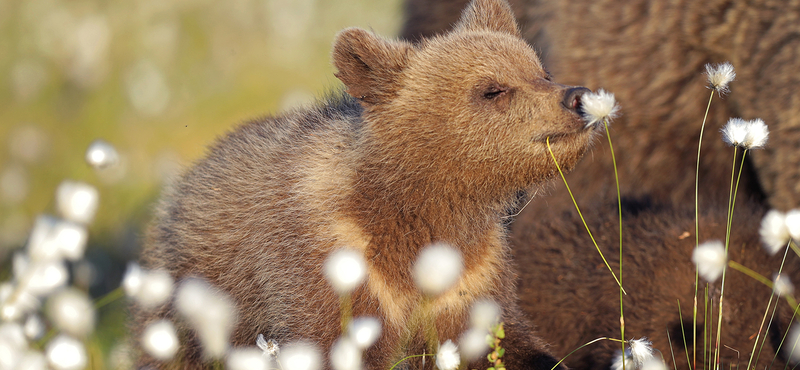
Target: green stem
pixel 697 225
pixel 619 210
pixel 683 334
pixel 581 215
pixel 109 298
pixel 584 345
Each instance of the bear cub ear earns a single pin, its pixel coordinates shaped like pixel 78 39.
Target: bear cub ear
pixel 488 15
pixel 368 65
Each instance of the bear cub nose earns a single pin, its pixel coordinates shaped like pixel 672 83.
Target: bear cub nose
pixel 572 99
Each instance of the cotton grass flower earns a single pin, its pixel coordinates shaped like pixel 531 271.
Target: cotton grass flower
pixel 437 269
pixel 751 134
pixel 160 341
pixel 484 314
pixel 211 313
pixel 149 288
pixel 793 223
pixel 791 346
pixel 345 355
pixel 39 278
pixel 774 231
pixel 598 107
pixel 654 364
pixel 66 353
pixel 782 286
pixel 300 356
pixel 639 352
pixel 447 357
pixel 345 269
pixel 72 311
pixel 719 76
pixel 101 154
pixel 269 347
pixel 364 331
pixel 77 201
pixel 472 344
pixel 247 359
pixel 54 239
pixel 710 259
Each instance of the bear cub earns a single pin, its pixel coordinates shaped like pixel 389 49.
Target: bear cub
pixel 431 143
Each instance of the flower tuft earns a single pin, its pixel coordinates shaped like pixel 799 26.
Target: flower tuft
pixel 745 134
pixel 438 268
pixel 719 76
pixel 757 134
pixel 248 358
pixel 270 347
pixel 345 355
pixel 66 353
pixel 793 223
pixel 101 154
pixel 710 259
pixel 77 201
pixel 774 232
pixel 300 356
pixel 160 341
pixel 472 344
pixel 364 331
pixel 782 285
pixel 148 288
pixel 484 314
pixel 211 313
pixel 345 269
pixel 641 350
pixel 735 132
pixel 72 311
pixel 447 358
pixel 598 107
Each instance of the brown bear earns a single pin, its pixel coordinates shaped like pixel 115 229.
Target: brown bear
pixel 651 54
pixel 432 143
pixel 564 279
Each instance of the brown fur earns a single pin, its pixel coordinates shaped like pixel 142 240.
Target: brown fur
pixel 651 54
pixel 419 154
pixel 563 278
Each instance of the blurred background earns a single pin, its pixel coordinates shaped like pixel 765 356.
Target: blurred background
pixel 159 80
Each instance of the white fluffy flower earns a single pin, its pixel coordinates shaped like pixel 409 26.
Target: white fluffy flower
pixel 101 154
pixel 345 269
pixel 719 76
pixel 757 134
pixel 710 259
pixel 364 331
pixel 793 224
pixel 791 347
pixel 66 353
pixel 247 359
pixel 77 201
pixel 472 344
pixel 735 132
pixel 345 355
pixel 774 232
pixel 447 357
pixel 617 364
pixel 12 345
pixel 438 268
pixel 72 311
pixel 148 288
pixel 53 239
pixel 484 314
pixel 269 347
pixel 160 341
pixel 40 278
pixel 598 107
pixel 300 356
pixel 654 364
pixel 641 350
pixel 211 313
pixel 782 285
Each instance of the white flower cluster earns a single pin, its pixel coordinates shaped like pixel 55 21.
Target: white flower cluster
pixel 751 134
pixel 710 259
pixel 39 280
pixel 638 356
pixel 778 228
pixel 437 269
pixel 719 76
pixel 598 107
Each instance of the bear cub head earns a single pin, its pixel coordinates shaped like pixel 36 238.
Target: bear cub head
pixel 476 101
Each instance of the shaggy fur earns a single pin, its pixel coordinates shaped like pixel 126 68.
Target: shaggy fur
pixel 563 278
pixel 651 54
pixel 433 143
